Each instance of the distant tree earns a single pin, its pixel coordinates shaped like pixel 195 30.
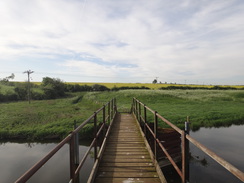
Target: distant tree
pixel 11 76
pixel 6 79
pixel 98 87
pixel 21 92
pixel 155 81
pixel 53 87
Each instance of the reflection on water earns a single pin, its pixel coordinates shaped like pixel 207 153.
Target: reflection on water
pixel 17 158
pixel 226 143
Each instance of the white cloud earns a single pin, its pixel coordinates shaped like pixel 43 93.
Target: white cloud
pixel 175 40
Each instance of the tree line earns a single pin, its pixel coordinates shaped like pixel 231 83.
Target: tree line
pixel 50 88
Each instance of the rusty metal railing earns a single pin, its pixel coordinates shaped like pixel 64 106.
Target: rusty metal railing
pixel 108 112
pixel 140 111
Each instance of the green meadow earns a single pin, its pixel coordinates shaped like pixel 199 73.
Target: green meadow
pixel 48 119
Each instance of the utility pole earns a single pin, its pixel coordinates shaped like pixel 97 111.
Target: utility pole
pixel 28 73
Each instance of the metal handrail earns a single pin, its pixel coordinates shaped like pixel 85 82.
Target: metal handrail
pixel 185 139
pixel 108 117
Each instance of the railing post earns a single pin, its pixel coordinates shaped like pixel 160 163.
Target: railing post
pixel 95 136
pixel 115 106
pixel 72 157
pixel 155 134
pixel 109 115
pixel 187 131
pixel 136 108
pixel 132 106
pixel 104 120
pixel 145 119
pixel 139 113
pixel 183 151
pixel 76 145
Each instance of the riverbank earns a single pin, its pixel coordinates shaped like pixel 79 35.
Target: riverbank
pixel 54 119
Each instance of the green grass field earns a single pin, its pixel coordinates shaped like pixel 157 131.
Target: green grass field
pixel 43 119
pixel 205 108
pixel 54 118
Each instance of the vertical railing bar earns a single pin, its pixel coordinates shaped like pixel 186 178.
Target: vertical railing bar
pixel 145 119
pixel 183 147
pixel 187 149
pixel 115 106
pixel 109 115
pixel 132 106
pixel 104 120
pixel 95 136
pixel 139 113
pixel 76 144
pixel 155 133
pixel 72 157
pixel 137 110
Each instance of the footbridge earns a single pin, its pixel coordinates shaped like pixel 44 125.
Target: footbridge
pixel 129 146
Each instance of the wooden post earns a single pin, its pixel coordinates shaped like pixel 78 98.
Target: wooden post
pixel 133 105
pixel 76 145
pixel 95 136
pixel 187 149
pixel 145 119
pixel 104 118
pixel 155 133
pixel 183 151
pixel 72 157
pixel 109 114
pixel 139 113
pixel 136 109
pixel 115 109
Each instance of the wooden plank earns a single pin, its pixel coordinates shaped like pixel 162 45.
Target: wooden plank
pixel 126 149
pixel 126 158
pixel 128 153
pixel 104 174
pixel 127 169
pixel 128 180
pixel 137 164
pixel 134 145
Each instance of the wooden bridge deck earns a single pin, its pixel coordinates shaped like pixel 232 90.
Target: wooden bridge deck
pixel 126 157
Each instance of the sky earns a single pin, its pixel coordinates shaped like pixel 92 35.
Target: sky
pixel 128 41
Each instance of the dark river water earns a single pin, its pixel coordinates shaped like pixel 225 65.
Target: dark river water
pixel 16 158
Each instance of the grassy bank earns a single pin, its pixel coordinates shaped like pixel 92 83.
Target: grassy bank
pixel 46 119
pixel 205 108
pixel 54 118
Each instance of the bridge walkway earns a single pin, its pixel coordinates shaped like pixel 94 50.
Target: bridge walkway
pixel 126 157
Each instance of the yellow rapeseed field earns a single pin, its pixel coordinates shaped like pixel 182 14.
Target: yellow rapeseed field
pixel 149 85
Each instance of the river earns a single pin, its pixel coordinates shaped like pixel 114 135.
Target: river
pixel 226 143
pixel 16 158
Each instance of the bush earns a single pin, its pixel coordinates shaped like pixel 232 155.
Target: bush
pixel 77 88
pixel 53 88
pixel 98 87
pixel 21 92
pixel 130 87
